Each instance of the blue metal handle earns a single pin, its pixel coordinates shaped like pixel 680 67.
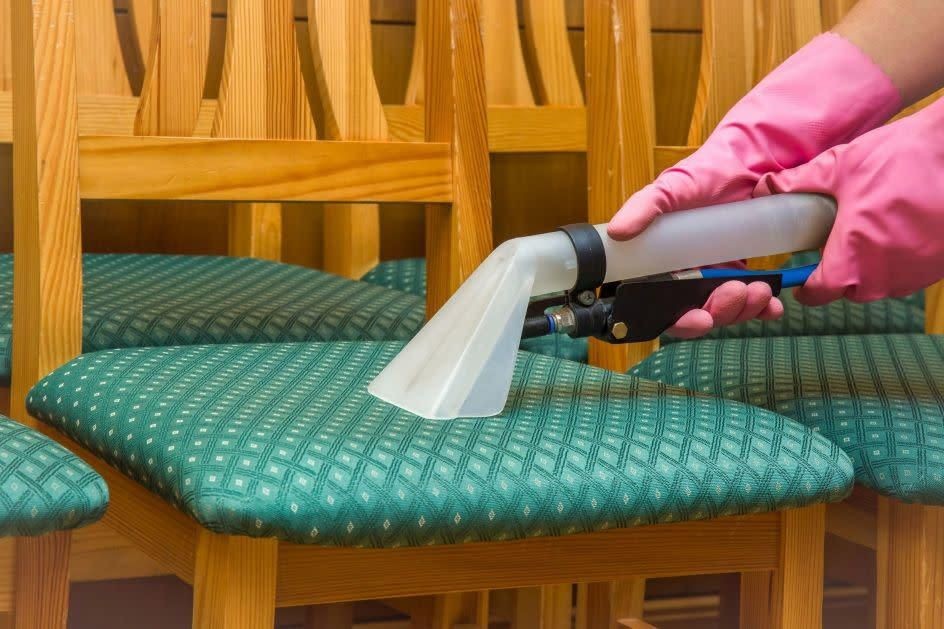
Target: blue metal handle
pixel 789 277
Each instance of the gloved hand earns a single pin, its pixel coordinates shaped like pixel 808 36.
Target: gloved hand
pixel 826 94
pixel 888 239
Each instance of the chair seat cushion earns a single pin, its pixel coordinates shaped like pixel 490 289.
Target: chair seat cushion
pixel 284 440
pixel 880 397
pixel 43 486
pixel 147 300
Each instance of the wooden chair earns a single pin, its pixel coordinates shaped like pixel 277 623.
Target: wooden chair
pixel 239 580
pixel 905 538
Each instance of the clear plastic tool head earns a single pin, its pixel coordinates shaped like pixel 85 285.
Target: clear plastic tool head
pixel 461 363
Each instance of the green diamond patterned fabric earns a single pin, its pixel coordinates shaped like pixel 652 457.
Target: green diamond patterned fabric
pixel 284 440
pixel 889 316
pixel 43 486
pixel 408 275
pixel 880 397
pixel 145 300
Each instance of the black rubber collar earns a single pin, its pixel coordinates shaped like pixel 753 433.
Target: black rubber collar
pixel 591 256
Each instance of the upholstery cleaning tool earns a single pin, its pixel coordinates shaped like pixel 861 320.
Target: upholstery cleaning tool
pixel 461 363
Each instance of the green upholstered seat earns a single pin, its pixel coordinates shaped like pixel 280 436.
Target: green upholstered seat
pixel 43 486
pixel 144 300
pixel 903 315
pixel 284 440
pixel 880 397
pixel 408 275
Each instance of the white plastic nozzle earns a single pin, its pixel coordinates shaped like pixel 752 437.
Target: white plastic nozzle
pixel 462 361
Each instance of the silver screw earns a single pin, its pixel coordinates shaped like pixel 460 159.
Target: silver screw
pixel 619 330
pixel 587 297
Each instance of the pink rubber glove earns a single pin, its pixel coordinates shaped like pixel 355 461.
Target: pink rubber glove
pixel 888 239
pixel 826 94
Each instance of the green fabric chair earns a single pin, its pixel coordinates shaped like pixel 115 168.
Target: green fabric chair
pixel 146 300
pixel 880 398
pixel 43 486
pixel 283 440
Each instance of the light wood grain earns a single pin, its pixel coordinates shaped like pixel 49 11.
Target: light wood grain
pixel 547 49
pixel 797 584
pixel 786 26
pixel 6 48
pixel 727 58
pixel 458 237
pixel 620 126
pixel 911 571
pixel 42 581
pixel 835 10
pixel 234 582
pixel 606 604
pixel 115 167
pixel 461 610
pixel 176 68
pixel 709 547
pixel 101 68
pixel 100 554
pixel 754 600
pixel 506 79
pixel 341 49
pixel 47 282
pixel 851 523
pixel 548 607
pixel 262 95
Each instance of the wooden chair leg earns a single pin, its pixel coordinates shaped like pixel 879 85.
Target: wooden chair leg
pixel 910 559
pixel 796 590
pixel 754 600
pixel 42 581
pixel 234 582
pixel 465 610
pixel 548 607
pixel 603 605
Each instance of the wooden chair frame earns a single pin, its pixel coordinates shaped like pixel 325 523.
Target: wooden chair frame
pixel 239 581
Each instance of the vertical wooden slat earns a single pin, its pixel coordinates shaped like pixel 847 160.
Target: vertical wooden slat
pixel 547 47
pixel 787 25
pixel 47 286
pixel 101 69
pixel 341 47
pixel 727 60
pixel 6 42
pixel 620 126
pixel 458 237
pixel 142 17
pixel 548 607
pixel 506 79
pixel 176 68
